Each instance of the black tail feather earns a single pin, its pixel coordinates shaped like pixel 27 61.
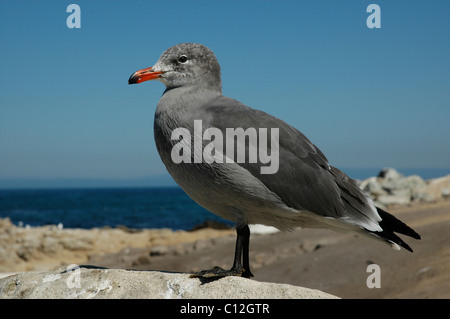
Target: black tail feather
pixel 390 224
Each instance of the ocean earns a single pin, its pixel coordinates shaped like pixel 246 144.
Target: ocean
pixel 87 208
pixel 143 207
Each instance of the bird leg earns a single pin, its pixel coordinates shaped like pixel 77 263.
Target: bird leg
pixel 241 269
pixel 245 251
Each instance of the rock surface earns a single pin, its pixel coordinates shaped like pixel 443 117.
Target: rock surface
pixel 82 283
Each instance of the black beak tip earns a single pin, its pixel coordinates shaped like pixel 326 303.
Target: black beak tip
pixel 133 79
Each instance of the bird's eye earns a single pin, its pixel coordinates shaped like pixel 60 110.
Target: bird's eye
pixel 182 59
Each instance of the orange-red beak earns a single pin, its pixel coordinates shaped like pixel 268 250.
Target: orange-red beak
pixel 144 75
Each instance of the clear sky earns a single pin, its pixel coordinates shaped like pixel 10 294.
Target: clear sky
pixel 365 97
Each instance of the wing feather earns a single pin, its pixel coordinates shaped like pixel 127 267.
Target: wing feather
pixel 304 180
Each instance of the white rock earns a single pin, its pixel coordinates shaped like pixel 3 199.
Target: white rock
pixel 119 283
pixel 372 187
pixel 389 173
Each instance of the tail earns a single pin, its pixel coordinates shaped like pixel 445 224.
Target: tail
pixel 390 224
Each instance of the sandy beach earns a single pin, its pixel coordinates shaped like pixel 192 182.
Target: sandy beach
pixel 332 262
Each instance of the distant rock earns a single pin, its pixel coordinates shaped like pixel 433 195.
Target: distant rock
pixel 82 283
pixel 372 187
pixel 46 247
pixel 389 173
pixel 392 188
pixel 439 187
pixel 210 224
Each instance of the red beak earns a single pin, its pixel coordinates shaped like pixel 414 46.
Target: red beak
pixel 144 75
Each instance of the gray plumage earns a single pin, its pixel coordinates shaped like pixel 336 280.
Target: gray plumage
pixel 305 191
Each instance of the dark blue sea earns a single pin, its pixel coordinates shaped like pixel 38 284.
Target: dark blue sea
pixel 88 208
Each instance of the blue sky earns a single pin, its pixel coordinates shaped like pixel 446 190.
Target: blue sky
pixel 365 97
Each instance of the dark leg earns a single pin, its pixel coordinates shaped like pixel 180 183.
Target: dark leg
pixel 245 256
pixel 238 269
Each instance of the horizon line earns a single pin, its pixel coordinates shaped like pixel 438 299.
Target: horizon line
pixel 165 180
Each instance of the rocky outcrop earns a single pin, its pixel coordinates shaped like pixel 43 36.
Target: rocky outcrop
pixel 45 247
pixel 88 283
pixel 392 188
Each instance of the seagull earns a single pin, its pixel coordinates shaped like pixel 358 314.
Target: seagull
pixel 301 190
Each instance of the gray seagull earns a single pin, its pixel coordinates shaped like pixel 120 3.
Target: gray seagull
pixel 304 191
